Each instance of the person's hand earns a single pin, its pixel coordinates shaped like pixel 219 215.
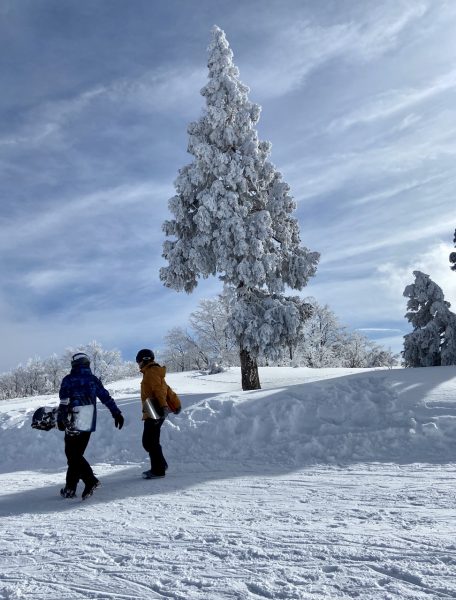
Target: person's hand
pixel 118 420
pixel 163 411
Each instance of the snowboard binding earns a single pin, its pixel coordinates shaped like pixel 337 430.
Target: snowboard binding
pixel 44 418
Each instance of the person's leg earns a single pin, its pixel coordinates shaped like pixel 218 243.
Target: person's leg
pixel 151 444
pixel 78 467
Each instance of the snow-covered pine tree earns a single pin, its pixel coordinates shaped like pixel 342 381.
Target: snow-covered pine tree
pixel 453 254
pixel 433 339
pixel 233 217
pixel 447 321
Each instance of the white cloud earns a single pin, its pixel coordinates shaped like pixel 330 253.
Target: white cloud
pixel 173 89
pixel 76 209
pixel 434 262
pixel 46 279
pixel 378 329
pixel 295 49
pixel 394 101
pixel 163 90
pixel 391 192
pixel 398 237
pixel 47 120
pixel 379 156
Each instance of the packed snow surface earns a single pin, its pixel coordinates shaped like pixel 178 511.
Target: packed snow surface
pixel 329 483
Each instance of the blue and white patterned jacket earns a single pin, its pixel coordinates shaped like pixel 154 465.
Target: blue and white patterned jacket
pixel 78 399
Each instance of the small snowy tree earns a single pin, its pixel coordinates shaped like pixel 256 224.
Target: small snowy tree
pixel 105 364
pixel 453 254
pixel 433 339
pixel 55 370
pixel 381 357
pixel 182 352
pixel 232 217
pixel 209 324
pixel 321 339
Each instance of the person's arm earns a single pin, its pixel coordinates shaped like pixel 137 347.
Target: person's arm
pixel 62 411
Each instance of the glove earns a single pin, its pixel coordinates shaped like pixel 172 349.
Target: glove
pixel 118 420
pixel 165 411
pixel 177 411
pixel 61 425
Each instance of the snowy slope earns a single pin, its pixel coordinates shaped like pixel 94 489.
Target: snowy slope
pixel 330 483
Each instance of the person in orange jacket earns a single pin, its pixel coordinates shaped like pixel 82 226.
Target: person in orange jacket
pixel 158 400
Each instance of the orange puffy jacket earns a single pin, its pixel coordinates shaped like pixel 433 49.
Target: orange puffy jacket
pixel 154 386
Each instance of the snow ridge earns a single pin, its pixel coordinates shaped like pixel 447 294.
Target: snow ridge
pixel 359 417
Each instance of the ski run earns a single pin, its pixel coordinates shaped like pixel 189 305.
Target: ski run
pixel 325 484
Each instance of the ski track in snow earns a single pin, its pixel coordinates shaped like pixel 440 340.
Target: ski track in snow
pixel 367 531
pixel 242 529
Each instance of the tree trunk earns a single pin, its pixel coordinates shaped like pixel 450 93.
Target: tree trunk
pixel 249 371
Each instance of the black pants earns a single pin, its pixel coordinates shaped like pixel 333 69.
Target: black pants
pixel 78 467
pixel 151 444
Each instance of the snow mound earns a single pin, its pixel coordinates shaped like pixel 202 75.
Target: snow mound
pixel 373 416
pixel 351 419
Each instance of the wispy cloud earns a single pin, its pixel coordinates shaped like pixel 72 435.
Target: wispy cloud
pixel 393 191
pixel 48 119
pixel 296 49
pixel 393 102
pixel 371 243
pixel 171 89
pixel 378 329
pixel 378 157
pixel 75 209
pixel 163 90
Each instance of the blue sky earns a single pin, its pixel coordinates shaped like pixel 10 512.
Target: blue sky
pixel 358 100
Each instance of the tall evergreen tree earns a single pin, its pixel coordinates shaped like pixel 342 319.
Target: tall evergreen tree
pixel 233 217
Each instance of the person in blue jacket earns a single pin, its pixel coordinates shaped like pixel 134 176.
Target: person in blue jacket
pixel 77 417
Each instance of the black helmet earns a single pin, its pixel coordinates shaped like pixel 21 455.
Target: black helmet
pixel 80 359
pixel 145 355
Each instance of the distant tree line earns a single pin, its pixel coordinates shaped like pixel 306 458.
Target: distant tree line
pixel 43 376
pixel 322 342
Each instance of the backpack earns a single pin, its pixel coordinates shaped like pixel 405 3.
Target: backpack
pixel 173 401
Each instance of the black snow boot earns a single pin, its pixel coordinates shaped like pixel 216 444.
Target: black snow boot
pixel 67 492
pixel 90 488
pixel 149 475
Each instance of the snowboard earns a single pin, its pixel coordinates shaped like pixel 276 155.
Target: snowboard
pixel 45 418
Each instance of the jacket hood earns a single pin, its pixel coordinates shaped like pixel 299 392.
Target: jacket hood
pixel 154 365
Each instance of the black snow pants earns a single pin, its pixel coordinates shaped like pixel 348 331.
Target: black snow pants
pixel 78 467
pixel 151 444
